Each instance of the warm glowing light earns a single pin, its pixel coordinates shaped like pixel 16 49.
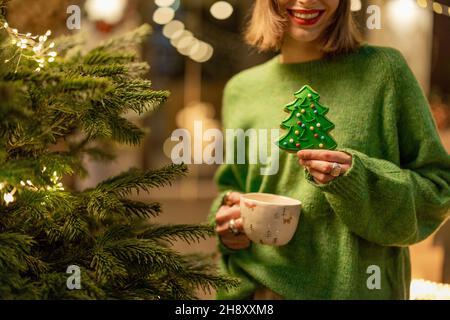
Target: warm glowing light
pixel 178 36
pixel 164 3
pixel 163 15
pixel 356 5
pixel 185 42
pixel 8 197
pixel 221 10
pixel 109 11
pixel 437 7
pixel 422 3
pixel 36 44
pixel 402 13
pixel 207 54
pixel 172 27
pixel 427 290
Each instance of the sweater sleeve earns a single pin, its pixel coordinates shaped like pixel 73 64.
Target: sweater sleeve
pixel 390 204
pixel 229 176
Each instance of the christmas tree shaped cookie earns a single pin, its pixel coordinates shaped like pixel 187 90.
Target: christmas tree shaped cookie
pixel 307 125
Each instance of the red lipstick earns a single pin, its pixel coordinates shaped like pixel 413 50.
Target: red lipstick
pixel 305 17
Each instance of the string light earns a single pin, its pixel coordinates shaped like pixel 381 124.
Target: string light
pixel 428 290
pixel 9 196
pixel 164 3
pixel 163 15
pixel 109 11
pixel 57 185
pixel 356 5
pixel 30 47
pixel 181 39
pixel 221 10
pixel 436 6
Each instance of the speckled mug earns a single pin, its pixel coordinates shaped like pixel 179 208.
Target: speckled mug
pixel 269 219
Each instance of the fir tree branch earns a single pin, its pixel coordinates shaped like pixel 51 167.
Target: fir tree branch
pixel 134 180
pixel 185 232
pixel 14 248
pixel 130 39
pixel 140 209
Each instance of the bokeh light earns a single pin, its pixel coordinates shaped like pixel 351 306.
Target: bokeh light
pixel 163 15
pixel 221 10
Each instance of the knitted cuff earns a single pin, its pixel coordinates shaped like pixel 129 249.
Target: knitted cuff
pixel 348 184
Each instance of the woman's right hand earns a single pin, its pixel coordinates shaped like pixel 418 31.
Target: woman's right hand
pixel 231 210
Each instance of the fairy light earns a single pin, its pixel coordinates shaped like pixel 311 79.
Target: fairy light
pixel 9 196
pixel 221 10
pixel 109 11
pixel 30 47
pixel 163 15
pixel 356 5
pixel 27 184
pixel 436 6
pixel 184 40
pixel 164 3
pixel 427 290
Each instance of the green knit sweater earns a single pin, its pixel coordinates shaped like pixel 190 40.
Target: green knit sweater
pixel 395 194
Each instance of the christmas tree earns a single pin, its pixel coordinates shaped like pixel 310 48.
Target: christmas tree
pixel 307 125
pixel 56 103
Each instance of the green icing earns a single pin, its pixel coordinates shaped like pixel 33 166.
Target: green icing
pixel 305 113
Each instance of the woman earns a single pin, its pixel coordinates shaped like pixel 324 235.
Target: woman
pixel 384 188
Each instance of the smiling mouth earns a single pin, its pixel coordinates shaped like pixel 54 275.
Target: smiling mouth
pixel 305 17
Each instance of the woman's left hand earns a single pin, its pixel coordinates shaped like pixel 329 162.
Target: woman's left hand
pixel 320 163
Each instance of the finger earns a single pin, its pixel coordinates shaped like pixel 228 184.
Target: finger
pixel 320 176
pixel 231 238
pixel 322 166
pixel 233 198
pixel 318 165
pixel 227 214
pixel 225 227
pixel 236 242
pixel 325 155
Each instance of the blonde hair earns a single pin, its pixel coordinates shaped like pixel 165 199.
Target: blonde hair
pixel 268 23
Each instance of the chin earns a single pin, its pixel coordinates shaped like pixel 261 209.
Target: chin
pixel 303 35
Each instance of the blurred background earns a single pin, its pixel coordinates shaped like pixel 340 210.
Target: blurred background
pixel 197 45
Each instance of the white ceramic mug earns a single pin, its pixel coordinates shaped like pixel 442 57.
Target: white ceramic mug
pixel 269 218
